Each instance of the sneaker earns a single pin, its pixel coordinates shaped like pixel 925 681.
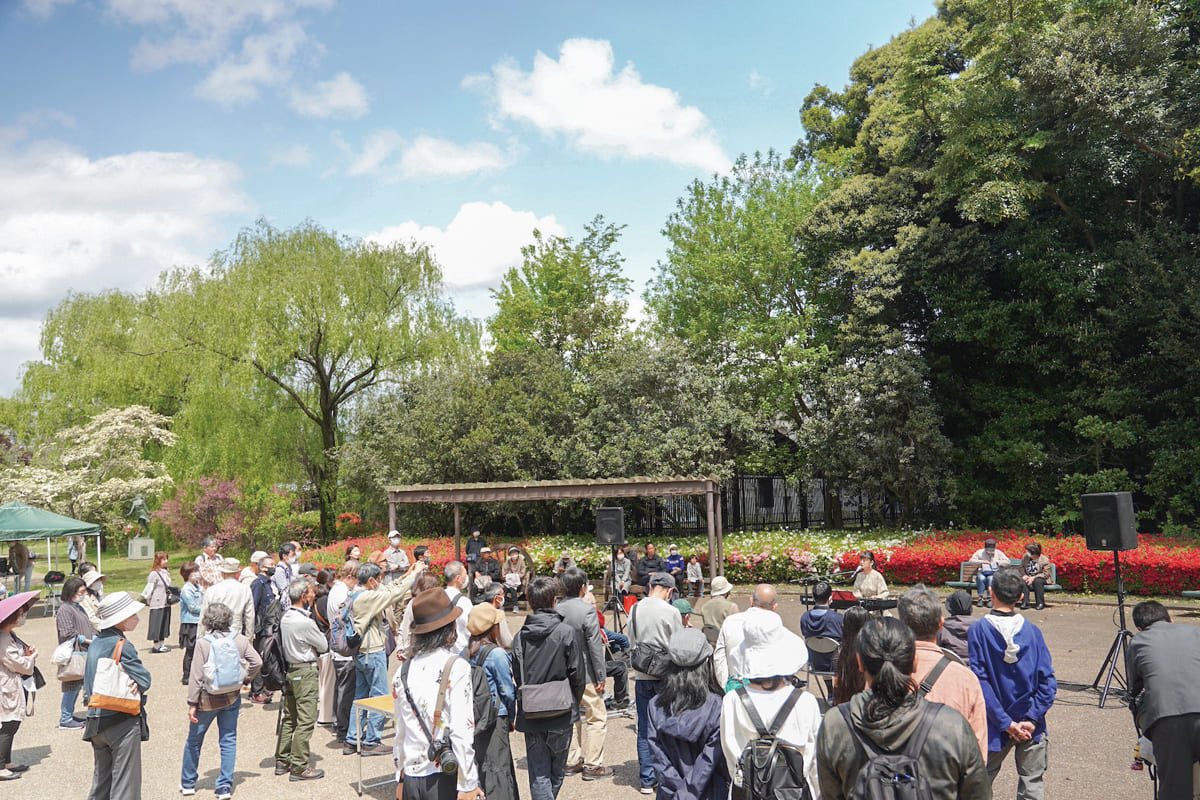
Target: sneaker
pixel 309 774
pixel 596 773
pixel 187 791
pixel 282 768
pixel 224 794
pixel 649 789
pixel 349 749
pixel 380 749
pixel 1040 607
pixel 73 725
pixel 261 699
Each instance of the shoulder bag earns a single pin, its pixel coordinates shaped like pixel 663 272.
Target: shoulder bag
pixel 113 689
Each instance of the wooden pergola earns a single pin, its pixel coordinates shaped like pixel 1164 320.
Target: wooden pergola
pixel 601 489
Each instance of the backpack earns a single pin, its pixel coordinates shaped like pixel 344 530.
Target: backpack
pixel 485 704
pixel 271 614
pixel 224 671
pixel 274 665
pixel 772 768
pixel 343 638
pixel 891 775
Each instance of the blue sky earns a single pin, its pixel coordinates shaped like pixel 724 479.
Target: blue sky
pixel 137 135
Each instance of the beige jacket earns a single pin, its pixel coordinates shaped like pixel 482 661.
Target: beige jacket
pixel 237 597
pixel 15 666
pixel 367 611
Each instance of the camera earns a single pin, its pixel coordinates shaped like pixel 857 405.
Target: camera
pixel 442 754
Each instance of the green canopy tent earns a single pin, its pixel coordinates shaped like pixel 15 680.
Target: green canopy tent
pixel 20 522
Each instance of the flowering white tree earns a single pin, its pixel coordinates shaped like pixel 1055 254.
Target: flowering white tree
pixel 94 471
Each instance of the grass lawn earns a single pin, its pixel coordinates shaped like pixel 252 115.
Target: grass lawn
pixel 121 573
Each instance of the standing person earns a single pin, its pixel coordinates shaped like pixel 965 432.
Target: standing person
pixel 206 705
pixel 90 602
pixel 652 622
pixel 456 586
pixel 286 570
pixel 513 575
pixel 426 580
pixel 116 737
pixel 76 550
pixel 371 672
pixel 475 546
pixel 953 635
pixel 547 650
pixel 718 608
pixel 685 724
pixel 953 685
pixel 326 671
pixel 726 656
pixel 268 610
pixel 493 753
pixel 434 672
pixel 1035 572
pixel 868 583
pixel 234 595
pixel 191 604
pixel 695 577
pixel 677 568
pixel 888 715
pixel 343 666
pixel 848 678
pixel 72 624
pixel 155 595
pixel 1164 659
pixel 250 571
pixel 353 553
pixel 987 561
pixel 591 729
pixel 395 559
pixel 20 561
pixel 1011 659
pixel 209 561
pixel 771 654
pixel 302 644
pixel 17 662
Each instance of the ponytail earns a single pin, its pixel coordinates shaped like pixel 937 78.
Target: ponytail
pixel 888 651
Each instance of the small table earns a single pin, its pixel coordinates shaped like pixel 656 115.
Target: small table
pixel 382 704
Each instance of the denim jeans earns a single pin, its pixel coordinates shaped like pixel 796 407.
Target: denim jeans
pixel 66 711
pixel 983 583
pixel 227 737
pixel 546 758
pixel 643 693
pixel 371 680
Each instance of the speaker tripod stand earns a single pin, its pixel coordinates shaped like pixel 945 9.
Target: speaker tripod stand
pixel 615 597
pixel 1116 662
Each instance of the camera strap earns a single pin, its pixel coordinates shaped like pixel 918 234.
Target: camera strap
pixel 441 701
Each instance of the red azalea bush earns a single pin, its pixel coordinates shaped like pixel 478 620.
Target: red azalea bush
pixel 1160 565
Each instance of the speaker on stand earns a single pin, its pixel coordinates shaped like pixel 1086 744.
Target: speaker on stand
pixel 610 530
pixel 1109 524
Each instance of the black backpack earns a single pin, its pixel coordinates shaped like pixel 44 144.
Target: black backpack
pixel 892 775
pixel 485 704
pixel 274 665
pixel 772 769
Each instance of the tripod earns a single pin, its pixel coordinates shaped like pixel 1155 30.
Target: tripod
pixel 1119 652
pixel 614 595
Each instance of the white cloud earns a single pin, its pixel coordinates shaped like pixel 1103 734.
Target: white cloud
pixel 264 61
pixel 340 97
pixel 612 113
pixel 760 83
pixel 73 223
pixel 480 244
pixel 388 155
pixel 44 8
pixel 295 155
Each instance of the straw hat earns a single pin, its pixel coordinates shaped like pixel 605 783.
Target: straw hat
pixel 432 609
pixel 482 618
pixel 769 649
pixel 117 607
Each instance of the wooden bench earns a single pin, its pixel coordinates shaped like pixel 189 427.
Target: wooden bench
pixel 966 576
pixel 1192 594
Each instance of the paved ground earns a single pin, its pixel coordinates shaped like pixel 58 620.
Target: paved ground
pixel 1089 759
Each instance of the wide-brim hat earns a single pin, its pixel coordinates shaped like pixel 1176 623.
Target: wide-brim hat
pixel 482 618
pixel 117 607
pixel 720 585
pixel 229 566
pixel 769 649
pixel 91 576
pixel 432 609
pixel 12 605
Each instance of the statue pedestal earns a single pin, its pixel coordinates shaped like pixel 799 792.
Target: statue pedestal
pixel 141 549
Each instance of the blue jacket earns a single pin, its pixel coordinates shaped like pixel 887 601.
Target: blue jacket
pixel 500 681
pixel 191 602
pixel 102 647
pixel 1022 690
pixel 686 751
pixel 676 562
pixel 821 621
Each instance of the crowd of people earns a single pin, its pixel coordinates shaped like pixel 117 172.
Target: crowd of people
pixel 949 694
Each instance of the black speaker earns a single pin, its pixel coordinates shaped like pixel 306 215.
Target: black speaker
pixel 610 526
pixel 1108 521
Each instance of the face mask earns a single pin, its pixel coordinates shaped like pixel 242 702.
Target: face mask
pixel 269 571
pixel 620 556
pixel 20 620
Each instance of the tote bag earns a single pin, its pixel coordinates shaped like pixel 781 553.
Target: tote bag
pixel 113 690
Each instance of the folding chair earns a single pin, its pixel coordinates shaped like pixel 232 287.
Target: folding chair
pixel 822 645
pixel 53 581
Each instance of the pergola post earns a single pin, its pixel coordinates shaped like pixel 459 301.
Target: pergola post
pixel 713 555
pixel 457 535
pixel 720 536
pixel 391 514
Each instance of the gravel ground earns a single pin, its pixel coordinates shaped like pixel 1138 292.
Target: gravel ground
pixel 1091 751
